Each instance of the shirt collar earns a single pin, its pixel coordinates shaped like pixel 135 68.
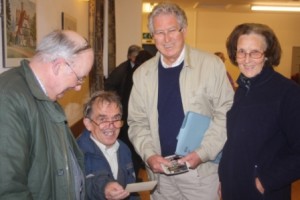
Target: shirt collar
pixel 176 63
pixel 112 149
pixel 41 84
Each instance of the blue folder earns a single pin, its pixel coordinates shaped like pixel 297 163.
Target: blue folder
pixel 191 133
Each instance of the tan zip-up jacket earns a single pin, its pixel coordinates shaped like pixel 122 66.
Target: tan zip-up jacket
pixel 204 88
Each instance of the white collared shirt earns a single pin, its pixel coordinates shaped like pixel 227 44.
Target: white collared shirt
pixel 41 84
pixel 110 155
pixel 176 63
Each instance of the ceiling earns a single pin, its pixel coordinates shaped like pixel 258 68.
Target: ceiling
pixel 225 5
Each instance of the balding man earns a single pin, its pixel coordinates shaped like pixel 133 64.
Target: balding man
pixel 39 156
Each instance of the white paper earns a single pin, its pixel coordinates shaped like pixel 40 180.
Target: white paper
pixel 142 186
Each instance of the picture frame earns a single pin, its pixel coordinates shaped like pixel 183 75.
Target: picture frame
pixel 68 22
pixel 19 31
pixel 1 34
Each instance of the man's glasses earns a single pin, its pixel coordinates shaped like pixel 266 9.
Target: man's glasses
pixel 80 80
pixel 252 54
pixel 170 32
pixel 105 124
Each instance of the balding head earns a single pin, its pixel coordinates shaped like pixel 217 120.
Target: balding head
pixel 62 61
pixel 61 44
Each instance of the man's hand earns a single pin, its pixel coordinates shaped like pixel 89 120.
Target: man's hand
pixel 259 186
pixel 114 191
pixel 155 162
pixel 192 159
pixel 220 191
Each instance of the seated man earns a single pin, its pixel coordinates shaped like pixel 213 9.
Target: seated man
pixel 108 163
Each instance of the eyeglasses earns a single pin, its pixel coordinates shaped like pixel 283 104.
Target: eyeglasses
pixel 170 32
pixel 104 124
pixel 80 80
pixel 252 54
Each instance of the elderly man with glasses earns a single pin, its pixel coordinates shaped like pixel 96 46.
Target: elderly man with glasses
pixel 39 156
pixel 108 162
pixel 177 80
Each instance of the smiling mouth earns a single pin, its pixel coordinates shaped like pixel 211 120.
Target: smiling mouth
pixel 108 133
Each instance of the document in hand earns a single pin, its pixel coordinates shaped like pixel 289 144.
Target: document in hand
pixel 141 186
pixel 191 132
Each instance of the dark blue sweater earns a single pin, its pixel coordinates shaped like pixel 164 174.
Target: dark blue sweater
pixel 263 128
pixel 170 110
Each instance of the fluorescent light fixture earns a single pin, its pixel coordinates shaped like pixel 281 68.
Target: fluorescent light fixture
pixel 276 8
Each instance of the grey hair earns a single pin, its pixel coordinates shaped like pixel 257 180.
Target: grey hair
pixel 58 45
pixel 167 8
pixel 100 97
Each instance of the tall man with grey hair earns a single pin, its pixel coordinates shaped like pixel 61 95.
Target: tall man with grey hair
pixel 39 156
pixel 177 80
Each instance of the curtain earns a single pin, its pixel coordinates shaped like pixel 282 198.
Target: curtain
pixel 102 38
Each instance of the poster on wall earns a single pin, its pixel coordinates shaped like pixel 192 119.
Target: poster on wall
pixel 19 31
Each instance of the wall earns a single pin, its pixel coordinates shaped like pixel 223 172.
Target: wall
pixel 128 26
pixel 48 19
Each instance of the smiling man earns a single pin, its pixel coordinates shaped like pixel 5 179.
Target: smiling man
pixel 177 80
pixel 108 162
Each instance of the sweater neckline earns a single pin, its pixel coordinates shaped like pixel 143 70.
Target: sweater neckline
pixel 259 79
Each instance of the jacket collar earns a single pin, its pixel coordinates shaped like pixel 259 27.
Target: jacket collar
pixel 259 79
pixel 54 110
pixel 186 60
pixel 33 83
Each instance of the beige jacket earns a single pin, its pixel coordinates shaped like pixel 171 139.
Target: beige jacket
pixel 204 88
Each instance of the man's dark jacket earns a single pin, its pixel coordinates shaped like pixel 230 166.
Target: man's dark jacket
pixel 97 168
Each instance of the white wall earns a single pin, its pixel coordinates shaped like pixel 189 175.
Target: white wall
pixel 128 26
pixel 49 15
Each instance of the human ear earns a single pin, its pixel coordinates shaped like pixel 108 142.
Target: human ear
pixel 56 64
pixel 87 123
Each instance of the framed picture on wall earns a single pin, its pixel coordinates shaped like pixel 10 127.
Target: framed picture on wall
pixel 68 22
pixel 19 31
pixel 1 34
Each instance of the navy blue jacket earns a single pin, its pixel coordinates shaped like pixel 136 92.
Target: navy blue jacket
pixel 263 128
pixel 97 170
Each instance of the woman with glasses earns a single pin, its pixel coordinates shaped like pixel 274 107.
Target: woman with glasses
pixel 108 163
pixel 261 157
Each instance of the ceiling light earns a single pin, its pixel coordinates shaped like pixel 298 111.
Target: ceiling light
pixel 148 7
pixel 276 8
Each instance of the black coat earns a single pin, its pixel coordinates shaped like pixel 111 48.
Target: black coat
pixel 118 77
pixel 263 128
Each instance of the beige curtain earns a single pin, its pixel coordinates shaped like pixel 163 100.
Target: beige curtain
pixel 96 37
